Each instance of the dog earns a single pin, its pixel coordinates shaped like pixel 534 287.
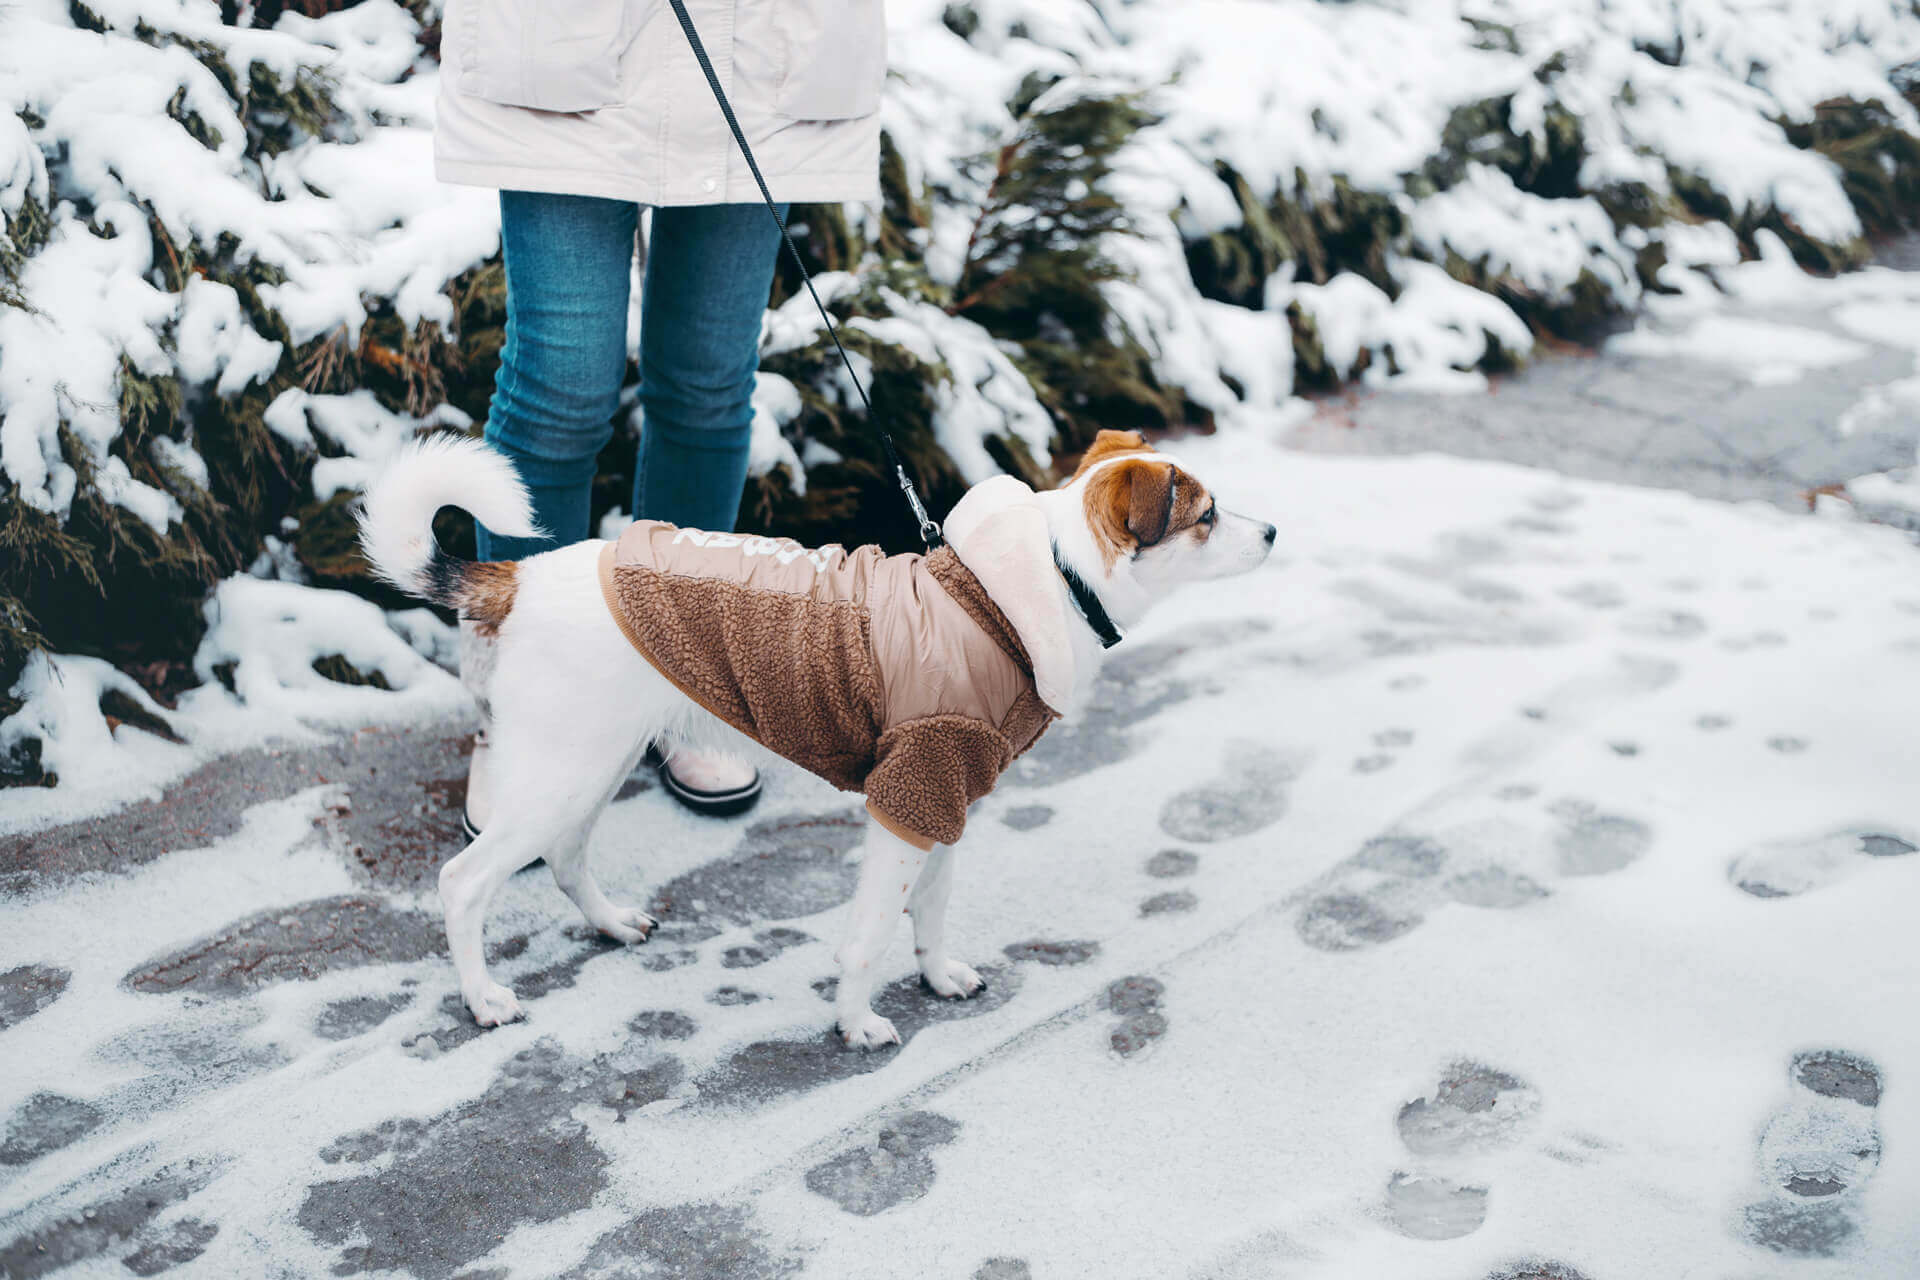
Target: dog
pixel 914 678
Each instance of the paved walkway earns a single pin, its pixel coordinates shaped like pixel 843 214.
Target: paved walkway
pixel 1674 424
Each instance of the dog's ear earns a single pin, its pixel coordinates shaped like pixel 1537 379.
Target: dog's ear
pixel 1130 505
pixel 1109 443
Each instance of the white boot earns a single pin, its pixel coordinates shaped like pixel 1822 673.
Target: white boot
pixel 716 783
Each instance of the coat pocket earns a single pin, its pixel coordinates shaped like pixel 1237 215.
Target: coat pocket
pixel 535 53
pixel 835 58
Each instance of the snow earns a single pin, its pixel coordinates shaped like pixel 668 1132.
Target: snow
pixel 1429 338
pixel 1769 353
pixel 983 394
pixel 367 431
pixel 776 402
pixel 1544 245
pixel 1624 696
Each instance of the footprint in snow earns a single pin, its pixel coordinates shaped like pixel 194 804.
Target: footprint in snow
pixel 1474 1110
pixel 1136 1000
pixel 1397 879
pixel 1816 1152
pixel 1791 867
pixel 1592 843
pixel 896 1170
pixel 1249 794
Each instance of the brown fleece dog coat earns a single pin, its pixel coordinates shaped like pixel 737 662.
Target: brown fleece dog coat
pixel 892 675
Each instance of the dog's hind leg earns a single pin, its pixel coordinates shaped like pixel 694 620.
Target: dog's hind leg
pixel 467 886
pixel 574 874
pixel 944 975
pixel 887 874
pixel 553 783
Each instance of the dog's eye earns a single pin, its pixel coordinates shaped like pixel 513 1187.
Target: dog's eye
pixel 1212 514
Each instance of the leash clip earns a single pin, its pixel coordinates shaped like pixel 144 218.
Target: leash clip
pixel 929 527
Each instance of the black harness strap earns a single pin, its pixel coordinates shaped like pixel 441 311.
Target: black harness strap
pixel 1087 603
pixel 929 528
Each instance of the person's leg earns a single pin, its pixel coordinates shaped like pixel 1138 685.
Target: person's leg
pixel 568 260
pixel 709 270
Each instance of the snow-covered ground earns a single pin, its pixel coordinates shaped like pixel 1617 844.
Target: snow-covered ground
pixel 1515 874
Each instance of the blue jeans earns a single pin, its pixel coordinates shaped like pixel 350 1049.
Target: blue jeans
pixel 568 259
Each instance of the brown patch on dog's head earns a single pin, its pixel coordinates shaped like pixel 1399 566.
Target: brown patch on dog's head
pixel 1110 443
pixel 486 593
pixel 1140 503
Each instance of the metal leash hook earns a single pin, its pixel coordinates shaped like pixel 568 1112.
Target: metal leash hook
pixel 929 528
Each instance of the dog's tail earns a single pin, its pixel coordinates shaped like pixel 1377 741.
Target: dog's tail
pixel 396 522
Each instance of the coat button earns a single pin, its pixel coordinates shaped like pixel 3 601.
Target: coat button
pixel 709 184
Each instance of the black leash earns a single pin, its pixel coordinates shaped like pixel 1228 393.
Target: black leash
pixel 929 528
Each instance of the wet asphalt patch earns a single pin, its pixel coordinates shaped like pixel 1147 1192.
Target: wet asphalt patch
pixel 770 1069
pixel 690 1240
pixel 46 1122
pixel 29 988
pixel 782 869
pixel 448 1189
pixel 895 1170
pixel 345 1019
pixel 294 944
pixel 101 1227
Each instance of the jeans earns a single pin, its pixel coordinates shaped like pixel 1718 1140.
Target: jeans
pixel 568 258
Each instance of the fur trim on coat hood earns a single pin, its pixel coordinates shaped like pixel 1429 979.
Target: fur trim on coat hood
pixel 999 530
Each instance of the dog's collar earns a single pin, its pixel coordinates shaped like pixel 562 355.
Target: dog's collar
pixel 1087 603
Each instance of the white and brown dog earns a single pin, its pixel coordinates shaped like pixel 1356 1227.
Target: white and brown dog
pixel 916 679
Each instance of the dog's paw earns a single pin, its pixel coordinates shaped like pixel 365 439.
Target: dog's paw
pixel 627 924
pixel 953 980
pixel 868 1031
pixel 493 1005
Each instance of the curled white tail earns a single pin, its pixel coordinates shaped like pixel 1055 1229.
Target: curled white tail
pixel 396 519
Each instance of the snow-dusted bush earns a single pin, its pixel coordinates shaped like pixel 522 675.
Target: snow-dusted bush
pixel 229 283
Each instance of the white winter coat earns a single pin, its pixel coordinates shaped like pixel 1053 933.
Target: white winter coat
pixel 604 98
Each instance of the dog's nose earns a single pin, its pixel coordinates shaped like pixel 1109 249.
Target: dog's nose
pixel 1271 534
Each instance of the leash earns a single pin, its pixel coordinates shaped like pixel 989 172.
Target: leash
pixel 929 527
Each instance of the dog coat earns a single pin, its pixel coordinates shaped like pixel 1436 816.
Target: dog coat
pixel 899 676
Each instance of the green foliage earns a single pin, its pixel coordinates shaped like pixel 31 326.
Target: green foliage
pixel 1035 248
pixel 335 667
pixel 826 241
pixel 1036 263
pixel 1879 161
pixel 1321 234
pixel 1702 201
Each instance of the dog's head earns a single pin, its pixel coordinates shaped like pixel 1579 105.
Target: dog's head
pixel 1150 526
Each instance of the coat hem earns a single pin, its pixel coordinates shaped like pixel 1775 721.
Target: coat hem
pixel 923 843
pixel 851 186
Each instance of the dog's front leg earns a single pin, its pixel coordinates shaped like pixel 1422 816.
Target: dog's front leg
pixel 887 875
pixel 944 975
